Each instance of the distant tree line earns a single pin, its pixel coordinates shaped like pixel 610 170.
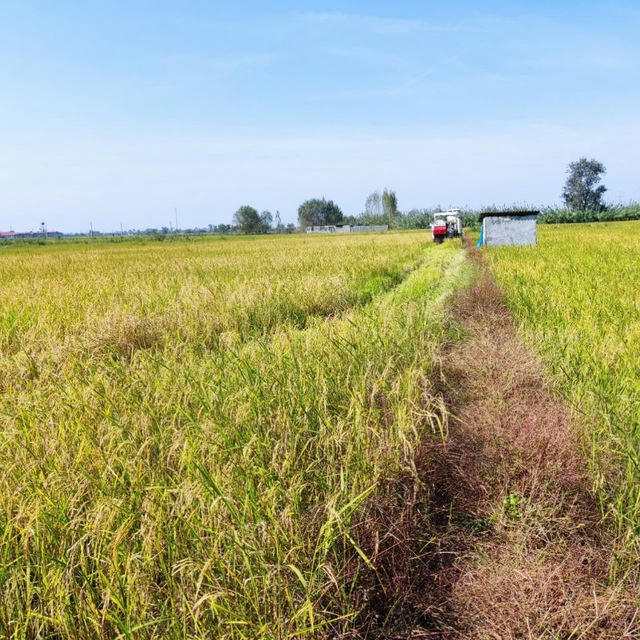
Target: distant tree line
pixel 610 213
pixel 582 195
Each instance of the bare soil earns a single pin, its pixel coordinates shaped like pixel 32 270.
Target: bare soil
pixel 495 534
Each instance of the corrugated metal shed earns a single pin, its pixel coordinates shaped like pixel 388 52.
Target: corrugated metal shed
pixel 512 214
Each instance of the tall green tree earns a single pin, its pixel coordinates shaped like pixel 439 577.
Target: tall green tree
pixel 389 204
pixel 581 190
pixel 373 204
pixel 266 220
pixel 318 212
pixel 247 219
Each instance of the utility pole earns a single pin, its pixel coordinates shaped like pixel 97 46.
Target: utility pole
pixel 175 210
pixel 90 229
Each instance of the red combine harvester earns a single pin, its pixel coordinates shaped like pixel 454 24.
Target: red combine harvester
pixel 446 225
pixel 439 229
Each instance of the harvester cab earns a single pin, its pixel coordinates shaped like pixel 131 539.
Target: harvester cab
pixel 446 225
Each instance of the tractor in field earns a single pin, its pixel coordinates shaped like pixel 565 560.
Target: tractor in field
pixel 446 225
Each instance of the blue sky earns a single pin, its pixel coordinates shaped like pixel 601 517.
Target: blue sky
pixel 117 112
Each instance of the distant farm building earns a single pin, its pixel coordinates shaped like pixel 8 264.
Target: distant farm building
pixel 23 235
pixel 346 228
pixel 505 228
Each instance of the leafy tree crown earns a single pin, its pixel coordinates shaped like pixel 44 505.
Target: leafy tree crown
pixel 318 212
pixel 248 220
pixel 581 190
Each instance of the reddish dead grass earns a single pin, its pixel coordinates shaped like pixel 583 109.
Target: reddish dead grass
pixel 496 533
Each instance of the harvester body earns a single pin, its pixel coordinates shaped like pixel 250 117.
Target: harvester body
pixel 446 225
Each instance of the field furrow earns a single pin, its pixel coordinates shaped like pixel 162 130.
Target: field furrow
pixel 576 298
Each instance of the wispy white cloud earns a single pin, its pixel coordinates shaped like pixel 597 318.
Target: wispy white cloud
pixel 223 64
pixel 382 25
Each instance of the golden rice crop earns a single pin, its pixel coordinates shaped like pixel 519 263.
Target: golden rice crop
pixel 186 429
pixel 577 296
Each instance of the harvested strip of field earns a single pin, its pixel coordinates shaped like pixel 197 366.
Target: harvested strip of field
pixel 576 298
pixel 497 533
pixel 543 569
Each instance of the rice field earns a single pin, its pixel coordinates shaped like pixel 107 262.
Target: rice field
pixel 188 428
pixel 577 298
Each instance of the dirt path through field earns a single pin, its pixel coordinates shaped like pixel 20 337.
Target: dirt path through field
pixel 506 540
pixel 540 569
